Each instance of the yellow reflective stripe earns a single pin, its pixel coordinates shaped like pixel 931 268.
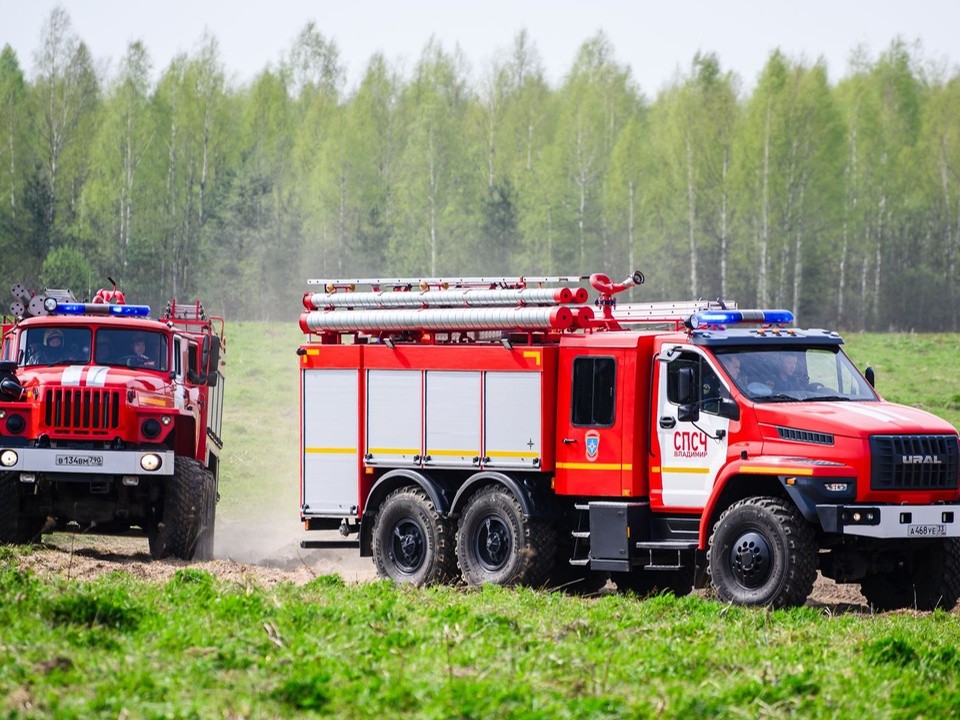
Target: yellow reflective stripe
pixel 532 355
pixel 773 470
pixel 593 466
pixel 330 451
pixel 512 454
pixel 688 470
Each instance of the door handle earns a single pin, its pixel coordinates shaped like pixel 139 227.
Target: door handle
pixel 667 422
pixel 569 441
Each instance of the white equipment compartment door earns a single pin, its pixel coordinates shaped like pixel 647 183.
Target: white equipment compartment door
pixel 394 417
pixel 453 418
pixel 330 459
pixel 512 431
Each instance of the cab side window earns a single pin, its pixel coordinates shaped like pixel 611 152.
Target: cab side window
pixel 594 391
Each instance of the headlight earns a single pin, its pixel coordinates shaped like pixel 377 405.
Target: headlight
pixel 9 458
pixel 149 462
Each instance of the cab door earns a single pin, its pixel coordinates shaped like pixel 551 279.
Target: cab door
pixel 691 440
pixel 590 421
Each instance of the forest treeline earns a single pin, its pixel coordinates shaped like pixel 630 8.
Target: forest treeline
pixel 839 200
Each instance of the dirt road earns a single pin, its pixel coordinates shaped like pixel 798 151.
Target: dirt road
pixel 269 560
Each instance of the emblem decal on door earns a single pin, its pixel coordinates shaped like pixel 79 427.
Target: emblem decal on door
pixel 592 440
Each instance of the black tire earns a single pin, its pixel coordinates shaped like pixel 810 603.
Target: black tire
pixel 656 582
pixel 16 528
pixel 208 524
pixel 497 545
pixel 762 552
pixel 183 520
pixel 926 579
pixel 412 542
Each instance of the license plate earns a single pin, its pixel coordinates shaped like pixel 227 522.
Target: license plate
pixel 927 530
pixel 80 460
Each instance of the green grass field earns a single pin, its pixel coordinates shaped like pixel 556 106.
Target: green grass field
pixel 199 647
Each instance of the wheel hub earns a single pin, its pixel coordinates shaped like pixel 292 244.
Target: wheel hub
pixel 493 543
pixel 750 559
pixel 408 546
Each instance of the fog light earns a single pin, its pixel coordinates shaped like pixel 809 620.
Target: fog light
pixel 130 480
pixel 16 424
pixel 28 477
pixel 150 462
pixel 150 428
pixel 166 420
pixel 836 487
pixel 9 458
pixel 856 517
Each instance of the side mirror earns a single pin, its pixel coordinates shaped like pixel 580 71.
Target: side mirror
pixel 871 377
pixel 686 387
pixel 688 413
pixel 728 408
pixel 10 388
pixel 689 410
pixel 211 359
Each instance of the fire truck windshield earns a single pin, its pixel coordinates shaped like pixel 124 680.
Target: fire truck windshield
pixel 51 345
pixel 126 347
pixel 792 374
pixel 131 348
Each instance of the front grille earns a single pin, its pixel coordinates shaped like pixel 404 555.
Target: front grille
pixel 914 462
pixel 83 410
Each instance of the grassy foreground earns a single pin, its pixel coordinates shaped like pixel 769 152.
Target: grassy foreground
pixel 199 647
pixel 195 647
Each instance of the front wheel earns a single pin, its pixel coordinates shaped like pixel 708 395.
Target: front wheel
pixel 926 578
pixel 412 542
pixel 762 552
pixel 185 529
pixel 497 545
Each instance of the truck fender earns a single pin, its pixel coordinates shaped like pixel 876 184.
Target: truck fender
pixel 753 483
pixel 387 484
pixel 489 477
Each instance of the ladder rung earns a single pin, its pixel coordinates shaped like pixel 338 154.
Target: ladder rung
pixel 581 534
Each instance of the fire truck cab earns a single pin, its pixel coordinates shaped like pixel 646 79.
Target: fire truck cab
pixel 498 431
pixel 110 419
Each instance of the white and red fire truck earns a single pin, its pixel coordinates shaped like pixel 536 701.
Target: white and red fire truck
pixel 498 430
pixel 110 419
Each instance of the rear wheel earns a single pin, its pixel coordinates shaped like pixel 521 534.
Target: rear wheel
pixel 412 542
pixel 497 545
pixel 762 552
pixel 925 579
pixel 184 520
pixel 16 528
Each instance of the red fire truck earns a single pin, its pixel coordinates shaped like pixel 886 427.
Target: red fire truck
pixel 110 419
pixel 498 430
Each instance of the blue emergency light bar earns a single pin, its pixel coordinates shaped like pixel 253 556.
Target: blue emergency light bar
pixel 102 309
pixel 712 318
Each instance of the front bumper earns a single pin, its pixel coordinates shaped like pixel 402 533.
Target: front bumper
pixel 85 462
pixel 910 522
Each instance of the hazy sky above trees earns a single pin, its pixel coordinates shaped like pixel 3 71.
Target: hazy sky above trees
pixel 652 37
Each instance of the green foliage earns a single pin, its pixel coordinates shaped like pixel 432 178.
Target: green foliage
pixel 835 198
pixel 65 267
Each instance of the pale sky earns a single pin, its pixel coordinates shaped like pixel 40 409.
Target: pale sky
pixel 653 37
